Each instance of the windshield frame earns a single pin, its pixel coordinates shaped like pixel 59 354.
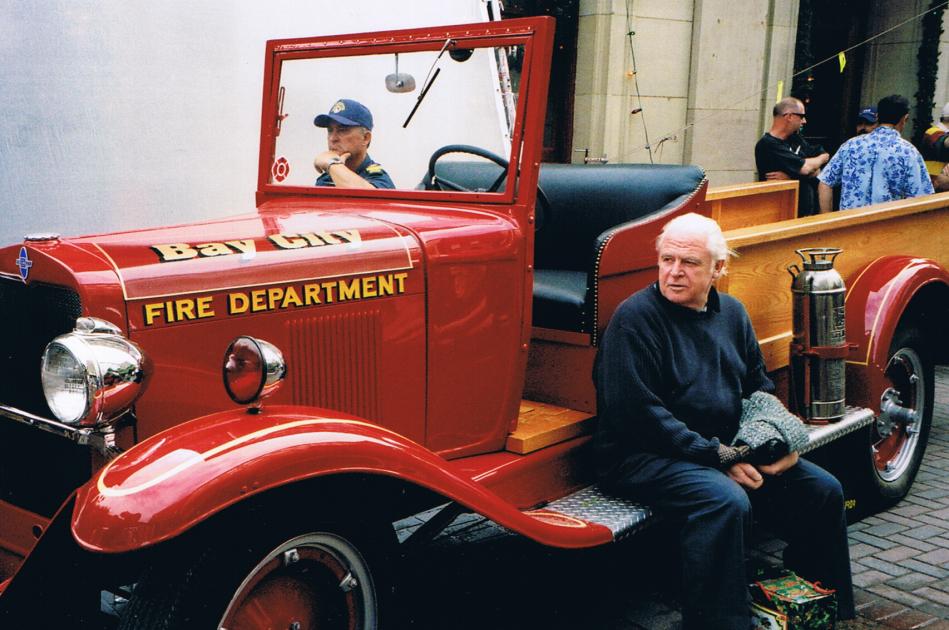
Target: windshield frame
pixel 520 32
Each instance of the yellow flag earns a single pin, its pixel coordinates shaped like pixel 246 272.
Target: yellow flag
pixel 780 94
pixel 842 59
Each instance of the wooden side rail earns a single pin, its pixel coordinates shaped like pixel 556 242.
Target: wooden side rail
pixel 754 203
pixel 758 276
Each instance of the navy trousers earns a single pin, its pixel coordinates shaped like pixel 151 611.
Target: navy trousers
pixel 804 506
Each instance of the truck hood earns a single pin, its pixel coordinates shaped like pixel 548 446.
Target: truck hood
pixel 241 253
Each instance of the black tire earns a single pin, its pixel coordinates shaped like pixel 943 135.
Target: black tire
pixel 897 444
pixel 325 577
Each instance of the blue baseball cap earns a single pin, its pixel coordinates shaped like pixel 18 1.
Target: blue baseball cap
pixel 868 114
pixel 346 112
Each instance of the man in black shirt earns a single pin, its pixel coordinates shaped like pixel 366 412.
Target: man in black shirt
pixel 782 153
pixel 673 367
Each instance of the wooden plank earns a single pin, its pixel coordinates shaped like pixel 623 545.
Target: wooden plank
pixel 542 424
pixel 757 203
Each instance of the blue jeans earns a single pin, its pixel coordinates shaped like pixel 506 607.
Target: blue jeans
pixel 804 506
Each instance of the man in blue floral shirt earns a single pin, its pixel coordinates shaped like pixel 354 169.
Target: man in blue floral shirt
pixel 878 166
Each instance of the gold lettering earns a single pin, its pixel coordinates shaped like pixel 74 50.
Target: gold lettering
pixel 152 311
pixel 313 239
pixel 274 295
pixel 246 246
pixel 350 236
pixel 328 290
pixel 213 249
pixel 287 241
pixel 311 293
pixel 400 279
pixel 385 285
pixel 257 301
pixel 175 251
pixel 237 303
pixel 291 297
pixel 204 306
pixel 184 309
pixel 369 287
pixel 349 290
pixel 329 237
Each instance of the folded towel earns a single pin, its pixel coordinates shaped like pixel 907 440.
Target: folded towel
pixel 769 429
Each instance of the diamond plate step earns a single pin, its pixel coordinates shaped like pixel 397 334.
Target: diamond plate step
pixel 621 516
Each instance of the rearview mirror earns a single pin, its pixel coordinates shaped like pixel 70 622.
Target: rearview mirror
pixel 400 82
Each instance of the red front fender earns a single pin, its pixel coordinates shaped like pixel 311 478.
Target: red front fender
pixel 877 298
pixel 177 478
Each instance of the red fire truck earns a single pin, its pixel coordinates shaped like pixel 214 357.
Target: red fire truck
pixel 226 417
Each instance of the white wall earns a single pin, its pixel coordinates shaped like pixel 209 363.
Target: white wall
pixel 117 115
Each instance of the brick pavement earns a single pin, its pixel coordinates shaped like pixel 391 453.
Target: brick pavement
pixel 900 564
pixel 900 557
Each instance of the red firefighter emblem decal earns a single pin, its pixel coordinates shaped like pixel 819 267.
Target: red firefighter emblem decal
pixel 280 169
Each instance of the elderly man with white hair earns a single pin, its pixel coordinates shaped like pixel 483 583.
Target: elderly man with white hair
pixel 673 368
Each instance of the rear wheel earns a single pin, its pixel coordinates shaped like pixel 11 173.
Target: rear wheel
pixel 899 436
pixel 319 579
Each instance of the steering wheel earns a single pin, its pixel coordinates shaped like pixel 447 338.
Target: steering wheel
pixel 431 181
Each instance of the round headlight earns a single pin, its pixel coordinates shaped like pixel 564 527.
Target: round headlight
pixel 253 368
pixel 93 374
pixel 65 384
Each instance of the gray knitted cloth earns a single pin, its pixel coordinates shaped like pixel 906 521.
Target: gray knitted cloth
pixel 764 418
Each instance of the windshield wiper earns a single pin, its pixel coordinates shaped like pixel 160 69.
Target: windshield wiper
pixel 429 80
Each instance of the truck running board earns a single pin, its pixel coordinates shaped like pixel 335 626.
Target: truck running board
pixel 591 505
pixel 624 517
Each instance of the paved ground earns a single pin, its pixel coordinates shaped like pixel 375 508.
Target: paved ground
pixel 900 564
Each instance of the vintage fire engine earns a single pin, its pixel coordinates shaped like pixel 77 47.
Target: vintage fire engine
pixel 227 417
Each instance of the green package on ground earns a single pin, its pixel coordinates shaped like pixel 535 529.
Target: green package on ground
pixel 807 606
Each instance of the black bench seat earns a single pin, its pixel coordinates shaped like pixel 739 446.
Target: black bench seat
pixel 587 205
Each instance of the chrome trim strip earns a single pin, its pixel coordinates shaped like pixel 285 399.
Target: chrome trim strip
pixel 79 435
pixel 854 419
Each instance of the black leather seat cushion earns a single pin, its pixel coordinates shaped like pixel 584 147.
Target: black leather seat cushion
pixel 560 297
pixel 586 204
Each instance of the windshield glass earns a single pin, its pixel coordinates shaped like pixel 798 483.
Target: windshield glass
pixel 384 116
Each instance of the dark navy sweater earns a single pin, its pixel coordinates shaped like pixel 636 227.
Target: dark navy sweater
pixel 670 379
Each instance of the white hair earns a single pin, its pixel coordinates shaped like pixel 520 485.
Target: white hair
pixel 693 224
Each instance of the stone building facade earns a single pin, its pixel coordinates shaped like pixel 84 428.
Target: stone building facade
pixel 707 73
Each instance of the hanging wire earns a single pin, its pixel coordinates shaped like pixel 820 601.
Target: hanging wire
pixel 672 135
pixel 632 51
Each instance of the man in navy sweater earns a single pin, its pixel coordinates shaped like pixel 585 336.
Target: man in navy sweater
pixel 672 369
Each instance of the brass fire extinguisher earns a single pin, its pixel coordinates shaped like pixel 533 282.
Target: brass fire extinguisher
pixel 819 347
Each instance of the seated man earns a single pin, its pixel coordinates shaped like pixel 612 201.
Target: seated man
pixel 673 367
pixel 346 162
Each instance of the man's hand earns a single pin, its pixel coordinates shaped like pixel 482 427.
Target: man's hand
pixel 321 161
pixel 781 465
pixel 745 475
pixel 776 175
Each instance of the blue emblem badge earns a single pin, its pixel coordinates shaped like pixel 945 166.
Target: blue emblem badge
pixel 24 263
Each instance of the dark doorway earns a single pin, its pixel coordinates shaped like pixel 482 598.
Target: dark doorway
pixel 558 129
pixel 832 97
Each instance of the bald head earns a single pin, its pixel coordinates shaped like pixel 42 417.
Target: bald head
pixel 787 104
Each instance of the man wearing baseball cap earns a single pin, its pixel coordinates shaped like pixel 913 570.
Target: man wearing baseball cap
pixel 866 120
pixel 346 162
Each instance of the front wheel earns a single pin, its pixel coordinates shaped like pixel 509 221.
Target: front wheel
pixel 899 436
pixel 319 579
